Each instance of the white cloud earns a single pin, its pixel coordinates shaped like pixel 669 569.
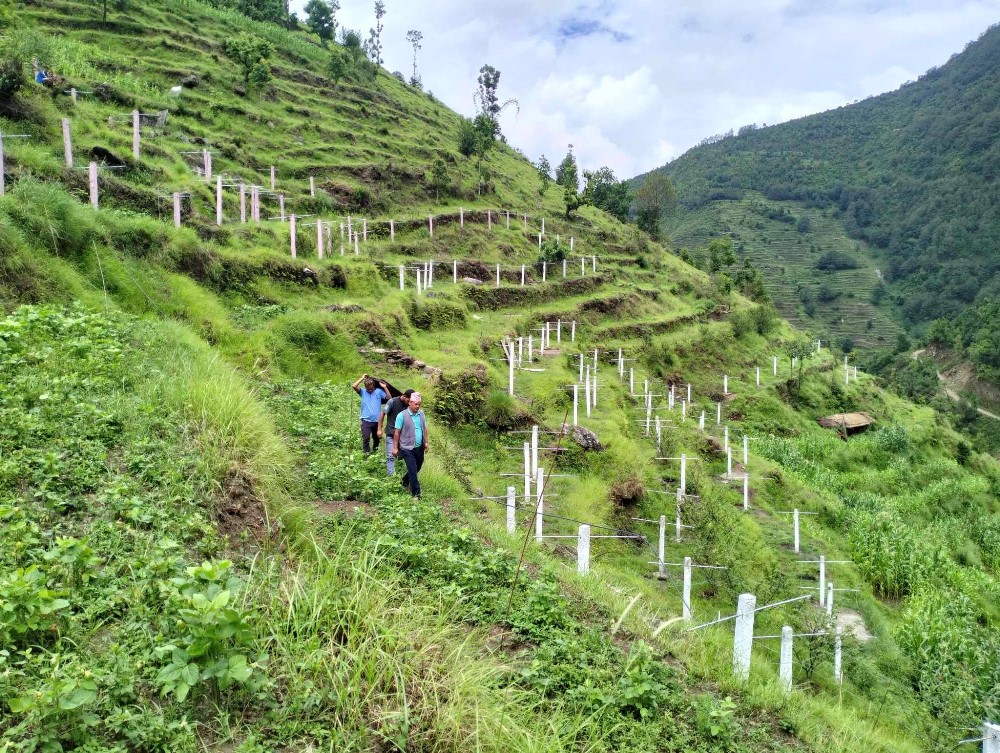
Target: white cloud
pixel 633 83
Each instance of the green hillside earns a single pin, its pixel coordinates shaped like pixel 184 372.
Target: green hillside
pixel 910 174
pixel 195 554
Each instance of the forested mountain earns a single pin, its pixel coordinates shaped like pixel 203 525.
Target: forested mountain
pixel 911 172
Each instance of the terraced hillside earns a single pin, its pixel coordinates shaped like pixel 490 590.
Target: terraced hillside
pixel 196 554
pixel 786 240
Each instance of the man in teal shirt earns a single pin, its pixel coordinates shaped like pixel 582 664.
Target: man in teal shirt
pixel 410 441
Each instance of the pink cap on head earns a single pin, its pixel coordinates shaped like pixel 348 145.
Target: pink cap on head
pixel 415 398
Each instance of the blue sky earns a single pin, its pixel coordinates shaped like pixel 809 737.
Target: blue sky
pixel 634 84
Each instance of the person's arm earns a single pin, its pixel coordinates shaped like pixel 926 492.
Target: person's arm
pixel 357 383
pixel 395 437
pixel 382 414
pixel 426 443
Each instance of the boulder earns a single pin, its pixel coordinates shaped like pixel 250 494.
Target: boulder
pixel 472 281
pixel 584 438
pixel 190 82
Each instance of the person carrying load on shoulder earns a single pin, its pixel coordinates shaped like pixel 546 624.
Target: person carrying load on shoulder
pixel 410 441
pixel 372 397
pixel 389 413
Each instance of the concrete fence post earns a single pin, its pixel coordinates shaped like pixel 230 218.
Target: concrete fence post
pixel 67 142
pixel 545 266
pixel 686 591
pixel 508 219
pixel 718 414
pixel 218 200
pixel 583 549
pixel 402 274
pixel 758 376
pixel 243 203
pixel 273 181
pixel 461 217
pixel 583 266
pixel 838 672
pixel 72 94
pixel 725 438
pixel 785 659
pixel 572 332
pixel 586 390
pixel 92 180
pixel 822 580
pixel 746 492
pixel 539 503
pixel 531 347
pixel 576 404
pixel 392 231
pixel 661 547
pixel 571 239
pixel 743 636
pixel 177 209
pixel 795 524
pixel 725 384
pixel 454 272
pixel 991 738
pixel 364 229
pixel 527 473
pixel 631 381
pixel 774 365
pixel 539 241
pixel 689 392
pixel 829 599
pixel 593 262
pixel 522 275
pixel 291 233
pixel 511 510
pixel 746 450
pixel 135 134
pixel 489 220
pixel 312 186
pixel 498 275
pixel 319 239
pixel 534 448
pixel 357 250
pixel 701 421
pixel 564 268
pixel 430 225
pixel 207 160
pixel 281 215
pixel 543 226
pixel 677 519
pixel 729 462
pixel 684 469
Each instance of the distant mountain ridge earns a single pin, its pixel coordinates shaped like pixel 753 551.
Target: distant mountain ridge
pixel 913 172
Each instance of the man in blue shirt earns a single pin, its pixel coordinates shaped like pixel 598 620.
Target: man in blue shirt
pixel 372 397
pixel 410 441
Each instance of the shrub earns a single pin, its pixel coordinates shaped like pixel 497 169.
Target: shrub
pixel 11 78
pixel 460 398
pixel 832 261
pixel 501 412
pixel 430 315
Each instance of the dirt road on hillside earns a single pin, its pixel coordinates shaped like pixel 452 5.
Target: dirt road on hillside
pixel 948 389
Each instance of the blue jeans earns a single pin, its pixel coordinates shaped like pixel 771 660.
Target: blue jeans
pixel 414 459
pixel 390 461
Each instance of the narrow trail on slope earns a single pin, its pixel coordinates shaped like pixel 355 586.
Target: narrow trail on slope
pixel 949 391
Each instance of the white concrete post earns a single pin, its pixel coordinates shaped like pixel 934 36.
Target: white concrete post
pixel 312 186
pixel 729 462
pixel 527 473
pixel 544 269
pixel 718 414
pixel 531 348
pixel 92 175
pixel 281 214
pixel 72 94
pixel 822 580
pixel 838 673
pixel 564 268
pixel 649 416
pixel 586 390
pixel 273 182
pixel 583 266
pixel 631 381
pixel 661 547
pixel 684 469
pixel 218 200
pixel 177 208
pixel 461 217
pixel 392 231
pixel 746 451
pixel 364 230
pixel 67 143
pixel 522 275
pixel 689 392
pixel 581 367
pixel 795 523
pixel 677 519
pixel 508 220
pixel 576 404
pixel 510 372
pixel 540 503
pixel 572 332
pixel 402 275
pixel 520 352
pixel 991 738
pixel 319 238
pixel 489 220
pixel 743 637
pixel 701 421
pixel 135 134
pixel 430 224
pixel 571 244
pixel 774 365
pixel 454 272
pixel 539 241
pixel 659 434
pixel 593 262
pixel 357 250
pixel 511 510
pixel 207 160
pixel 725 437
pixel 558 331
pixel 621 365
pixel 583 549
pixel 785 660
pixel 686 591
pixel 534 448
pixel 847 372
pixel 498 275
pixel 725 384
pixel 525 222
pixel 543 226
pixel 758 376
pixel 595 360
pixel 746 492
pixel 684 411
pixel 291 233
pixel 829 599
pixel 243 203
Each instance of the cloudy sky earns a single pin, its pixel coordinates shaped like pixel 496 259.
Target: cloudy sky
pixel 634 83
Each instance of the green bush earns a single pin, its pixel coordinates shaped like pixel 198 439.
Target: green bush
pixel 11 78
pixel 501 412
pixel 429 314
pixel 460 398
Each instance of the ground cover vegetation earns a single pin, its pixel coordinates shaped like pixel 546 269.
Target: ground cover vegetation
pixel 198 556
pixel 907 177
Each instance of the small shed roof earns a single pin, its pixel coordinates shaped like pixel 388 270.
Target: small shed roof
pixel 849 421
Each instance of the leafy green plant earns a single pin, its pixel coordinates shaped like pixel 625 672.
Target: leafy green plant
pixel 28 608
pixel 251 53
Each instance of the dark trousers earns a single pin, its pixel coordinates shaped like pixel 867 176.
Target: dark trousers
pixel 369 433
pixel 414 460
